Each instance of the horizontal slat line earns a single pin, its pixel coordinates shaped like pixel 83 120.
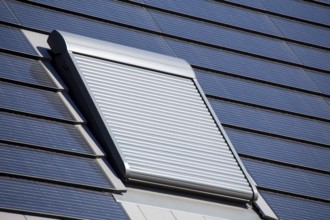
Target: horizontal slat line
pixel 121 128
pixel 147 98
pixel 283 163
pixel 219 148
pixel 126 112
pixel 189 121
pixel 149 170
pixel 117 71
pixel 158 85
pixel 146 170
pixel 138 162
pixel 55 150
pixel 63 183
pixel 294 194
pixel 161 129
pixel 116 90
pixel 164 130
pixel 182 150
pixel 147 76
pixel 187 166
pixel 157 120
pixel 268 108
pixel 103 66
pixel 130 147
pixel 265 11
pixel 178 136
pixel 274 135
pixel 156 111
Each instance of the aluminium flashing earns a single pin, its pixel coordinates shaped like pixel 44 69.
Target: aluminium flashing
pixel 64 41
pixel 87 68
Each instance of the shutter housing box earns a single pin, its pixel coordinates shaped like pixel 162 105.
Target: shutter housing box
pixel 150 113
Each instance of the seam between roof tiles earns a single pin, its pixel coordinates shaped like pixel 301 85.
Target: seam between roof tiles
pixel 267 108
pixel 274 135
pixel 253 79
pixel 228 49
pixel 164 35
pixel 10 11
pixel 31 85
pixel 262 81
pixel 283 192
pixel 208 21
pixel 168 35
pixel 160 31
pixel 279 110
pixel 283 163
pixel 38 115
pixel 49 149
pixel 265 11
pixel 57 182
pixel 318 3
pixel 171 36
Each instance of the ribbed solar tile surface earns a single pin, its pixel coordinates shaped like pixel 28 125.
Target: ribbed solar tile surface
pixel 50 165
pixel 40 132
pixel 58 200
pixel 312 86
pixel 24 70
pixel 31 100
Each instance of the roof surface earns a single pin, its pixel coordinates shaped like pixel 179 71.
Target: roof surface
pixel 263 65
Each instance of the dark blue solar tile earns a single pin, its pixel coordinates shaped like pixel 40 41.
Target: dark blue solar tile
pixel 24 70
pixel 31 100
pixel 312 57
pixel 111 10
pixel 303 32
pixel 224 37
pixel 32 196
pixel 293 208
pixel 251 3
pixel 261 94
pixel 5 14
pixel 289 179
pixel 52 166
pixel 48 20
pixel 272 122
pixel 13 39
pixel 244 65
pixel 278 149
pixel 45 133
pixel 220 12
pixel 321 80
pixel 298 9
